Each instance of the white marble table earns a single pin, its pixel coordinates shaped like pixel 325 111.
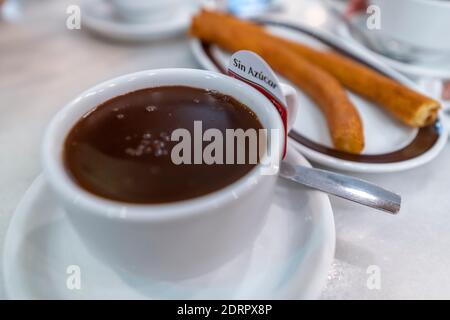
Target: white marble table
pixel 43 65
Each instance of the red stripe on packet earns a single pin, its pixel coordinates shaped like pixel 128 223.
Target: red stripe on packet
pixel 282 110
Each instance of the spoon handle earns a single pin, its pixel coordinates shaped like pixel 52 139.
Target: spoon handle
pixel 343 186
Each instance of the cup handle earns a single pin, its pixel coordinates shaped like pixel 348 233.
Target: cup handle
pixel 291 104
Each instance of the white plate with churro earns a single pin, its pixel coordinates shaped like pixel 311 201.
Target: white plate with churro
pixel 355 113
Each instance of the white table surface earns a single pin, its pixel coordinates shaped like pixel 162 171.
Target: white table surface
pixel 43 65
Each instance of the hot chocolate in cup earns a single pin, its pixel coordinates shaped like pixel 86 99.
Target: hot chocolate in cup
pixel 169 240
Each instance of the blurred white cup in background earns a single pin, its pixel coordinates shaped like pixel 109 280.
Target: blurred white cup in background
pixel 421 23
pixel 145 10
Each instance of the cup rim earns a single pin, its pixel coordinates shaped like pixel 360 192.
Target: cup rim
pixel 66 188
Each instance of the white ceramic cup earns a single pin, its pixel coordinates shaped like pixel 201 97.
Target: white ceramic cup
pixel 421 23
pixel 179 239
pixel 145 10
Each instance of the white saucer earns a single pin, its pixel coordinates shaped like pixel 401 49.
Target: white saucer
pixel 290 259
pixel 433 68
pixel 100 18
pixel 389 145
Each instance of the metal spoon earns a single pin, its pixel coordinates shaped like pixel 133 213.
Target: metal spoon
pixel 343 186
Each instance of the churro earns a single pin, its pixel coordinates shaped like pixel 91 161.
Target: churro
pixel 406 105
pixel 343 120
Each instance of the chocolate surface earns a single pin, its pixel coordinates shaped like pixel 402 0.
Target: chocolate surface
pixel 121 150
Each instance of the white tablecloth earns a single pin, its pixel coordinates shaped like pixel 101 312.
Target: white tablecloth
pixel 43 65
